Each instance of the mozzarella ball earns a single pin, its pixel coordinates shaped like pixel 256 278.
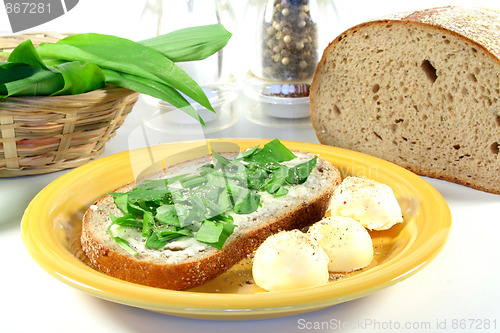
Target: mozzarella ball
pixel 289 260
pixel 346 242
pixel 371 203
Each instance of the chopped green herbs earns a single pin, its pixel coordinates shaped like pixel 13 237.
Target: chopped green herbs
pixel 201 205
pixel 299 173
pixel 214 233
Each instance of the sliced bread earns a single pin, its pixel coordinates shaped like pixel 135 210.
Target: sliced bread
pixel 186 263
pixel 421 90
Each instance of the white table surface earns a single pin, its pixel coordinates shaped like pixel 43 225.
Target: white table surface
pixel 459 287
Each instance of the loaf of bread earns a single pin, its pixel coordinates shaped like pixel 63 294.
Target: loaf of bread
pixel 186 263
pixel 421 90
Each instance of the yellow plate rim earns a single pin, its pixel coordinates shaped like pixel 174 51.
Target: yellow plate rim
pixel 42 244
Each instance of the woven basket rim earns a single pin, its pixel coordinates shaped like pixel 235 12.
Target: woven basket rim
pixel 109 88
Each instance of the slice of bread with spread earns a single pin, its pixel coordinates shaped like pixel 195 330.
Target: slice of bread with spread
pixel 421 90
pixel 185 262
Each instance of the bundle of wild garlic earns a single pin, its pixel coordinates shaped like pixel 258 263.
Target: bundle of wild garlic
pixel 88 61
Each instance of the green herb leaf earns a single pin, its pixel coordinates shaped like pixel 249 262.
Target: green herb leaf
pixel 140 193
pixel 156 184
pixel 188 44
pixel 170 231
pixel 80 77
pixel 299 173
pixel 281 192
pixel 10 71
pixel 167 214
pixel 248 153
pixel 274 184
pixel 221 160
pixel 127 220
pixel 154 241
pixel 256 178
pixel 277 180
pixel 152 88
pixel 227 230
pixel 148 222
pixel 125 245
pixel 121 201
pixel 214 233
pixel 197 211
pixel 192 181
pixel 25 53
pixel 216 180
pixel 224 201
pixel 164 234
pixel 222 217
pixel 273 152
pixel 209 232
pixel 30 81
pixel 249 204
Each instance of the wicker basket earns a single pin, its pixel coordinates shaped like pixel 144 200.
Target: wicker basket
pixel 45 134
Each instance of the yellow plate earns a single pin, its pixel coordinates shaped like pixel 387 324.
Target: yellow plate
pixel 50 230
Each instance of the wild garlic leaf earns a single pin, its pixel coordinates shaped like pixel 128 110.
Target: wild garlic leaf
pixel 271 153
pixel 189 44
pixel 209 232
pixel 274 184
pixel 148 223
pixel 152 88
pixel 162 235
pixel 25 53
pixel 214 233
pixel 25 74
pixel 139 193
pixel 127 220
pixel 154 184
pixel 299 173
pixel 224 200
pixel 248 204
pixel 248 153
pixel 227 230
pixel 221 161
pixel 80 77
pixel 125 245
pixel 121 201
pixel 281 192
pixel 167 214
pixel 11 71
pixel 38 82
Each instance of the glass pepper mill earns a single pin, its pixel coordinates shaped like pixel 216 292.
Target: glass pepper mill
pixel 290 36
pixel 289 41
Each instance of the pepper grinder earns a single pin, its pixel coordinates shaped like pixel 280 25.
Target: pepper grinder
pixel 289 41
pixel 289 38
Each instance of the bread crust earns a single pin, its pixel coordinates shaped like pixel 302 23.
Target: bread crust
pixel 116 262
pixel 479 25
pixel 480 28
